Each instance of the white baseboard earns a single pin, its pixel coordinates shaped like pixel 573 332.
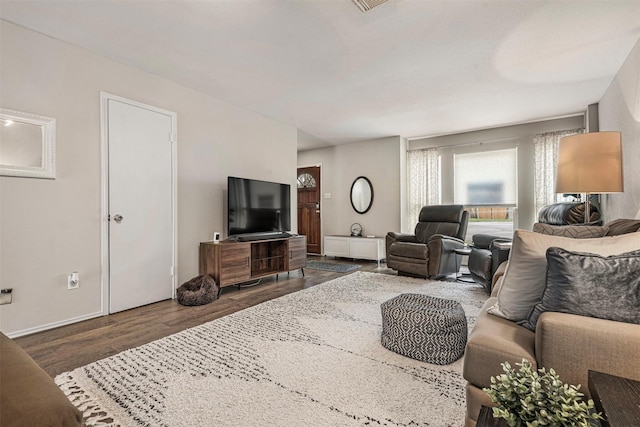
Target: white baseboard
pixel 48 326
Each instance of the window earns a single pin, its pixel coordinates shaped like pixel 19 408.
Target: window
pixel 488 178
pixel 486 182
pixel 305 180
pixel 500 175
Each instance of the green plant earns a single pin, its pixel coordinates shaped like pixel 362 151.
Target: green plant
pixel 529 398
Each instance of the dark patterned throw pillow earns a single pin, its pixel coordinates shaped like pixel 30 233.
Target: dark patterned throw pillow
pixel 590 285
pixel 573 231
pixel 623 226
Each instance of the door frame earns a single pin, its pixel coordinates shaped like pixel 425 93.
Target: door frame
pixel 321 196
pixel 105 267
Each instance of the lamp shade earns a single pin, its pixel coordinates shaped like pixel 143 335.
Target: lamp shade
pixel 590 163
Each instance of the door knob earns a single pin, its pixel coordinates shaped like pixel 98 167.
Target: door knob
pixel 117 218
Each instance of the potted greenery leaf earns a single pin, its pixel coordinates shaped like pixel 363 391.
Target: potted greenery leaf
pixel 526 398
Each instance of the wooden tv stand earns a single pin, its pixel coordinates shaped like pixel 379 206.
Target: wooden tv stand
pixel 233 263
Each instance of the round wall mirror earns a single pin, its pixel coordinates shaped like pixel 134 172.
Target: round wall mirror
pixel 361 194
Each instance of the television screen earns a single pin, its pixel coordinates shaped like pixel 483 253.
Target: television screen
pixel 257 206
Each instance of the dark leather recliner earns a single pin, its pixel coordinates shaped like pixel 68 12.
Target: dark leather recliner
pixel 485 258
pixel 429 252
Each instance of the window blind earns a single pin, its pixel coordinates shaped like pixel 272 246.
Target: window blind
pixel 487 178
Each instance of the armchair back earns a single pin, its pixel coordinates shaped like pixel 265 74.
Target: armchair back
pixel 449 220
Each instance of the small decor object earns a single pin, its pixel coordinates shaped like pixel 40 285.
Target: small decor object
pixel 356 230
pixel 526 398
pixel 200 290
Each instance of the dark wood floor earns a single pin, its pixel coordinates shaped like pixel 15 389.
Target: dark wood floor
pixel 68 347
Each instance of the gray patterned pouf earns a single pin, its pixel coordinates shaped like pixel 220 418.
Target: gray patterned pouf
pixel 433 330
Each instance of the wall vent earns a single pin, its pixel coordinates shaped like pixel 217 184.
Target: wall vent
pixel 366 5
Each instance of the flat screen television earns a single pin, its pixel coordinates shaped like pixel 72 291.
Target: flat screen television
pixel 255 207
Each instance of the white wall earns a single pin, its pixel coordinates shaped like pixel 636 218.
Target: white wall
pixel 619 110
pixel 49 228
pixel 380 161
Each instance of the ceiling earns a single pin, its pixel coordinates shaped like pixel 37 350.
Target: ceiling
pixel 407 67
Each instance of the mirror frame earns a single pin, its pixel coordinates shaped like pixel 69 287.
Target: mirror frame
pixel 351 194
pixel 47 125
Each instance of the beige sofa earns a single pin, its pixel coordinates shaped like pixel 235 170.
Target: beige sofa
pixel 568 343
pixel 28 395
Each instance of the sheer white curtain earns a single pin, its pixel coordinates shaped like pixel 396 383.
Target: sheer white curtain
pixel 546 158
pixel 423 175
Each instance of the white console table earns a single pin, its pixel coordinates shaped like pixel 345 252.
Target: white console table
pixel 371 248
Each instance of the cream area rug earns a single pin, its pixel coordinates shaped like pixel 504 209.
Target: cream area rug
pixel 310 358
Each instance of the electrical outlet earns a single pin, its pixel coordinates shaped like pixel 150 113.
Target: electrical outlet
pixel 6 295
pixel 73 281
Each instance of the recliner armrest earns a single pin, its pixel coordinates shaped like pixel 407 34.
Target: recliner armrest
pixel 572 344
pixel 447 240
pixel 442 259
pixel 483 241
pixel 402 237
pixel 393 237
pixel 498 256
pixel 493 246
pixel 439 244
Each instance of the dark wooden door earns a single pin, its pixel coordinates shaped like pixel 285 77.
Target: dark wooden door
pixel 309 206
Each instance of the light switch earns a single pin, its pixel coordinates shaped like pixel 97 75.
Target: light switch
pixel 327 195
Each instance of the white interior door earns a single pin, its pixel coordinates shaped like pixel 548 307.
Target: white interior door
pixel 140 204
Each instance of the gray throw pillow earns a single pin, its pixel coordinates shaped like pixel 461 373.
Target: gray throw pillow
pixel 590 285
pixel 524 279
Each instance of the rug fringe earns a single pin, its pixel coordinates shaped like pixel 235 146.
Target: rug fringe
pixel 93 415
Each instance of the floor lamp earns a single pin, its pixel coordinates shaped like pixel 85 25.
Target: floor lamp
pixel 590 163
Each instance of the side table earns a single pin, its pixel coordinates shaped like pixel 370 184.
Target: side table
pixel 617 398
pixel 463 252
pixel 485 419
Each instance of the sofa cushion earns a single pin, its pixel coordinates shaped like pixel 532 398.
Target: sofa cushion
pixel 573 231
pixel 28 395
pixel 590 285
pixel 493 341
pixel 524 279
